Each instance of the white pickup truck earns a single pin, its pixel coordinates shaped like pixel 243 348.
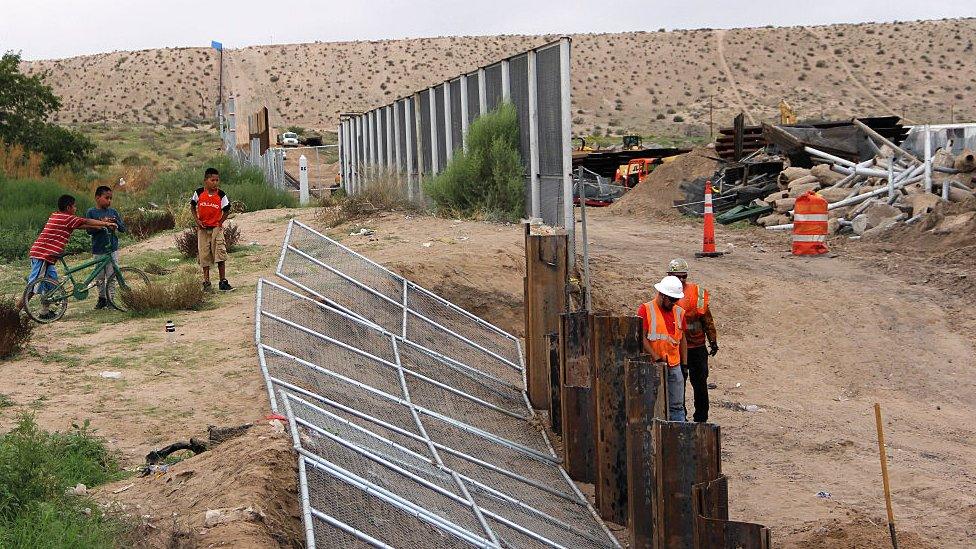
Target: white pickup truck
pixel 289 139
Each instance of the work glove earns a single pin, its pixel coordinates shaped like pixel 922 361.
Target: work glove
pixel 714 349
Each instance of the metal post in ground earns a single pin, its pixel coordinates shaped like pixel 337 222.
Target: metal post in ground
pixel 302 180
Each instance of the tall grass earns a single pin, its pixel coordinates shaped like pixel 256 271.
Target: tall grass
pixel 36 469
pixel 486 179
pixel 25 206
pixel 245 185
pixel 383 191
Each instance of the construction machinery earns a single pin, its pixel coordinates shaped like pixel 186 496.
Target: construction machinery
pixel 637 169
pixel 786 113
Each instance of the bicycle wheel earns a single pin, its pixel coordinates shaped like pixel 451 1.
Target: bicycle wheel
pixel 48 306
pixel 133 280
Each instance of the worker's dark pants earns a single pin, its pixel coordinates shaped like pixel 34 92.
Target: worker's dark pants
pixel 697 370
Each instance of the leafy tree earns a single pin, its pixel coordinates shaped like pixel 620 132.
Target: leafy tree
pixel 26 103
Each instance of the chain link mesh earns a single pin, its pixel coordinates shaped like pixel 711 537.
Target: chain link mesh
pixel 409 445
pixel 493 86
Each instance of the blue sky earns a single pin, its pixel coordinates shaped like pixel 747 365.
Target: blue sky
pixel 43 29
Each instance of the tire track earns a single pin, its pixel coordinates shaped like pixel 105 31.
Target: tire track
pixel 720 37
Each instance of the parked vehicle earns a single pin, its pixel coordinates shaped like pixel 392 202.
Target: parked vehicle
pixel 288 139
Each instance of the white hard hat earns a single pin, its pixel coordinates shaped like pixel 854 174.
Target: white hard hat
pixel 671 287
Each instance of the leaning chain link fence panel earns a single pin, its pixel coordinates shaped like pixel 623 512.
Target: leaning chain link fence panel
pixel 336 274
pixel 400 445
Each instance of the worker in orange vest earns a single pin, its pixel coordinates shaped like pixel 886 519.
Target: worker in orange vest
pixel 699 326
pixel 664 340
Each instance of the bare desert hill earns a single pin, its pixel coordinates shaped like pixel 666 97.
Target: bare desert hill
pixel 657 83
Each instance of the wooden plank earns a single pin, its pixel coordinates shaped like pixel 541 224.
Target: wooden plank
pixel 614 339
pixel 545 298
pixel 576 397
pixel 687 454
pixel 646 400
pixel 555 399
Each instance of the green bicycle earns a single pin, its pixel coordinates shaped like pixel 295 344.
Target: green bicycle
pixel 45 299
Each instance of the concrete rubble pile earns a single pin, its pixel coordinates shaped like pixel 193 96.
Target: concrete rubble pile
pixel 870 197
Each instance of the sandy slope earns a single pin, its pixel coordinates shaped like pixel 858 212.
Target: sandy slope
pixel 637 81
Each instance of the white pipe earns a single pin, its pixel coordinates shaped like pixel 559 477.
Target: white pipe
pixel 928 160
pixel 535 190
pixel 865 196
pixel 891 179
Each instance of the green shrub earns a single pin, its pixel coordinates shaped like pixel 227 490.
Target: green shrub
pixel 15 328
pixel 36 470
pixel 186 242
pixel 383 191
pixel 183 293
pixel 486 179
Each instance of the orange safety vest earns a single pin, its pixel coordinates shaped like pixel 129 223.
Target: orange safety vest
pixel 810 224
pixel 665 344
pixel 695 304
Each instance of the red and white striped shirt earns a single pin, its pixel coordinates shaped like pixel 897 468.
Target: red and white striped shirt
pixel 54 237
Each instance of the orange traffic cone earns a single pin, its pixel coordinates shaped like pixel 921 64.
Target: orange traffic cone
pixel 708 240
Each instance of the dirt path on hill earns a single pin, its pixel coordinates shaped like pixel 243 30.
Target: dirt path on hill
pixel 720 38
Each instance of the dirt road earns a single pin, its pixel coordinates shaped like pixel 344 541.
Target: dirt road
pixel 812 342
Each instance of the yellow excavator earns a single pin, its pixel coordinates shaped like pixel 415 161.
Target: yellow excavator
pixel 786 113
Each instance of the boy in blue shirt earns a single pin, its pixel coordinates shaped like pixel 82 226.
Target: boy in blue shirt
pixel 104 242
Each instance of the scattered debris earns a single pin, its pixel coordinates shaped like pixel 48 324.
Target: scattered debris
pixel 111 375
pixel 216 517
pixel 823 495
pixel 363 231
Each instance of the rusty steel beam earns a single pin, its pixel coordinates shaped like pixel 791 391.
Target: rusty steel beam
pixel 547 274
pixel 687 454
pixel 713 529
pixel 647 400
pixel 614 339
pixel 576 396
pixel 555 400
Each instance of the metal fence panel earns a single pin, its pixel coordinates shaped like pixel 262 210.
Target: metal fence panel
pixel 474 103
pixel 425 143
pixel 457 139
pixel 401 136
pixel 441 128
pixel 550 114
pixel 493 83
pixel 519 83
pixel 399 444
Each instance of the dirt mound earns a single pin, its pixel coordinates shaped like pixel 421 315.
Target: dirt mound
pixel 948 227
pixel 250 481
pixel 662 187
pixel 853 533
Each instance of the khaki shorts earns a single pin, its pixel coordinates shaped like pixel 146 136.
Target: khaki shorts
pixel 210 246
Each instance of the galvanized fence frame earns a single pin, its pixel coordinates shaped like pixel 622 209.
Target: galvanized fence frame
pixel 519 508
pixel 416 136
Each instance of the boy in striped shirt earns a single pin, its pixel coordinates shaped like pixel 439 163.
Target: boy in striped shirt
pixel 51 242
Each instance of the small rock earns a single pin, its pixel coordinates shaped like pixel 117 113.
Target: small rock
pixel 427 244
pixel 823 495
pixel 79 490
pixel 111 375
pixel 712 386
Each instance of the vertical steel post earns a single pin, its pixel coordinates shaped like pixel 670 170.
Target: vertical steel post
pixel 397 146
pixel 535 190
pixel 464 112
pixel 231 124
pixel 302 180
pixel 928 159
pixel 389 136
pixel 565 89
pixel 448 133
pixel 482 93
